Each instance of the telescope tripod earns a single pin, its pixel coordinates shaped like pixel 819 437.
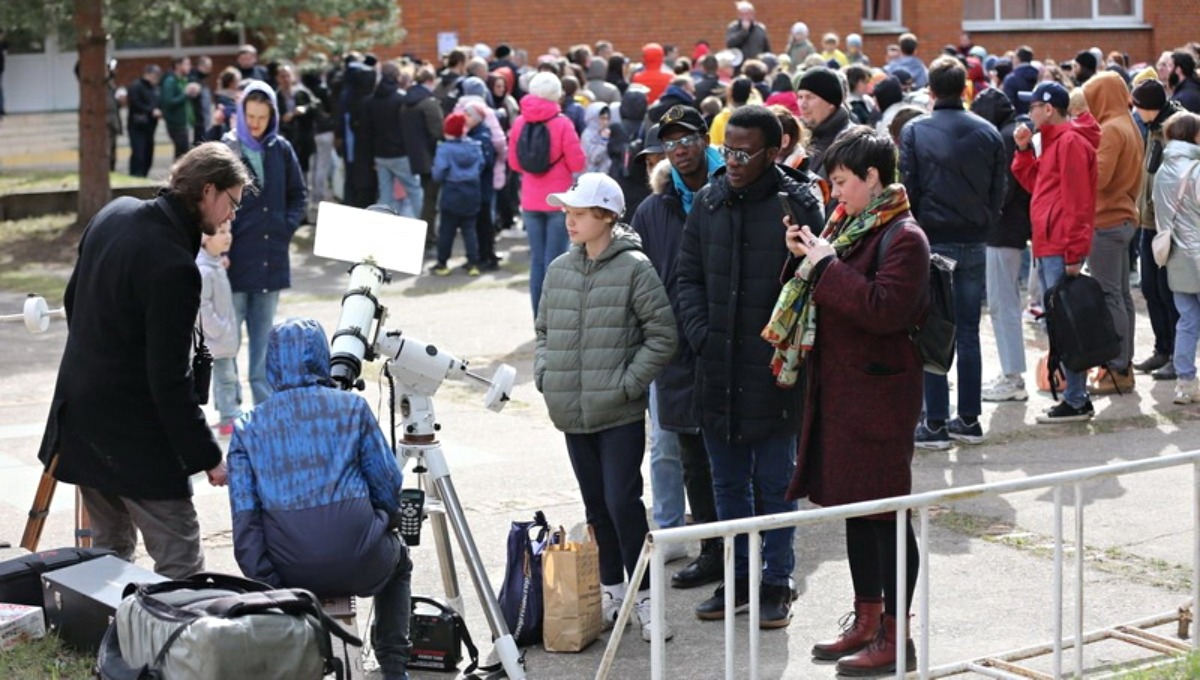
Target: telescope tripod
pixel 419 442
pixel 41 509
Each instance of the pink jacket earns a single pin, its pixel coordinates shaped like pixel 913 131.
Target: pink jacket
pixel 566 153
pixel 499 141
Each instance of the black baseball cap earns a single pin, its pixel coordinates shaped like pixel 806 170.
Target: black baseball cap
pixel 683 116
pixel 652 144
pixel 1049 92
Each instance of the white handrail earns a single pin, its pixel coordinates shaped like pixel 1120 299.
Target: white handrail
pixel 652 556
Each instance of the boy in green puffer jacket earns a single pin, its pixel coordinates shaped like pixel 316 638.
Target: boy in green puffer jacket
pixel 604 331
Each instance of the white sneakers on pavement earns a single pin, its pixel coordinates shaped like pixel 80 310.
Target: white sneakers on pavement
pixel 1187 391
pixel 643 613
pixel 1005 388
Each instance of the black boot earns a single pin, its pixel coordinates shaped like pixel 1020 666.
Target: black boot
pixel 1153 362
pixel 706 568
pixel 713 609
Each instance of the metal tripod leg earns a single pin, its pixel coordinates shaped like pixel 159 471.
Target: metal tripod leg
pixel 505 645
pixel 441 543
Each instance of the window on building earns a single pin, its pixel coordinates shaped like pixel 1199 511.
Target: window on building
pixel 881 11
pixel 997 13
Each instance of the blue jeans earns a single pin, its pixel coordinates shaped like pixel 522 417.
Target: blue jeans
pixel 666 471
pixel 739 469
pixel 1159 302
pixel 448 226
pixel 226 395
pixel 257 312
pixel 1050 270
pixel 1187 331
pixel 547 232
pixel 1005 307
pixel 393 607
pixel 388 169
pixel 969 275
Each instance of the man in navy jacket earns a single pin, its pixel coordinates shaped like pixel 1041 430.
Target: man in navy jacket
pixel 267 217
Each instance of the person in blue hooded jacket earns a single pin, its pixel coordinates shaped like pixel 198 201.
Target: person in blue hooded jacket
pixel 267 216
pixel 314 490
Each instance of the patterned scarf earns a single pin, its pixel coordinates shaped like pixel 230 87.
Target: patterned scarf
pixel 792 330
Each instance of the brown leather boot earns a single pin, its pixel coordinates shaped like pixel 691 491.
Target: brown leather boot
pixel 1107 381
pixel 856 633
pixel 879 657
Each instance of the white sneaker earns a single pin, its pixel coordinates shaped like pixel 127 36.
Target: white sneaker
pixel 1187 391
pixel 609 608
pixel 643 613
pixel 1005 388
pixel 674 551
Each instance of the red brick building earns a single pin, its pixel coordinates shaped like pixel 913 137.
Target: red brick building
pixel 1055 28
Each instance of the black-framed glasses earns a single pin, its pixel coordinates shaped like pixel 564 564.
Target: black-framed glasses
pixel 670 145
pixel 233 201
pixel 737 155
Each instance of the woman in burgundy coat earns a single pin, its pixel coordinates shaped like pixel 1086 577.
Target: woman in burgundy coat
pixel 863 376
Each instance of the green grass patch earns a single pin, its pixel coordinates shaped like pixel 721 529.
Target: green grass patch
pixel 38 282
pixel 40 180
pixel 45 659
pixel 1185 668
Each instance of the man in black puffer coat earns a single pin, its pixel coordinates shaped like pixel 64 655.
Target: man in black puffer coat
pixel 954 167
pixel 729 266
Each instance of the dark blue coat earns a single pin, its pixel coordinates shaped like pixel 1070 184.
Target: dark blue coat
pixel 1023 79
pixel 270 214
pixel 659 222
pixel 955 170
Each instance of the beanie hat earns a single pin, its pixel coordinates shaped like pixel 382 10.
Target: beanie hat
pixel 546 86
pixel 1087 60
pixel 823 83
pixel 1150 95
pixel 454 125
pixel 887 92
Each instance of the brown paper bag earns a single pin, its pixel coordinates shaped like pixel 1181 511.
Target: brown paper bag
pixel 571 593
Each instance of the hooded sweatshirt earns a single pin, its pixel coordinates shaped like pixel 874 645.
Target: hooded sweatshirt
pixel 474 102
pixel 1062 182
pixel 652 74
pixel 457 167
pixel 595 144
pixel 566 153
pixel 1119 160
pixel 312 481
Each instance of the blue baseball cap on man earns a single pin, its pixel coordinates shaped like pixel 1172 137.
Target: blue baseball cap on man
pixel 1048 92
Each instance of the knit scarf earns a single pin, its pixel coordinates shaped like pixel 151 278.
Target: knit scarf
pixel 792 330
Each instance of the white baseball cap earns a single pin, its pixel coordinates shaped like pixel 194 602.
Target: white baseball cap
pixel 592 190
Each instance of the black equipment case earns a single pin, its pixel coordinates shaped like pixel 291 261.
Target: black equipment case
pixel 80 601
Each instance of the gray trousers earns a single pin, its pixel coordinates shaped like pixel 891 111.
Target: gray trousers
pixel 1109 266
pixel 169 528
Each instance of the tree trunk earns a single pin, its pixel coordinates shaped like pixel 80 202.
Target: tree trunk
pixel 94 188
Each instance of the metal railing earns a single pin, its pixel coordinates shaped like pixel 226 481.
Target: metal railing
pixel 652 558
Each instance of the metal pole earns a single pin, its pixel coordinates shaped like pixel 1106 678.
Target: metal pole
pixel 1195 553
pixel 441 546
pixel 923 551
pixel 755 541
pixel 730 587
pixel 1079 579
pixel 901 592
pixel 658 641
pixel 1058 581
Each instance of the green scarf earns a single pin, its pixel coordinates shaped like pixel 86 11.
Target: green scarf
pixel 792 330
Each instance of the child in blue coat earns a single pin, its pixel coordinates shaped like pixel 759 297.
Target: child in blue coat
pixel 458 166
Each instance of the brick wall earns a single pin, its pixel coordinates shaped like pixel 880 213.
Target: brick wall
pixel 630 24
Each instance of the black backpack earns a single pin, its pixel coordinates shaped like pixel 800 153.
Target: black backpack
pixel 934 335
pixel 533 148
pixel 1081 329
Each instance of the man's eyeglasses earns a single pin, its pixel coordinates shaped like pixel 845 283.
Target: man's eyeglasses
pixel 737 155
pixel 670 145
pixel 233 201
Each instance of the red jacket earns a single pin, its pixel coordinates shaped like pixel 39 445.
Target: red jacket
pixel 1063 185
pixel 652 74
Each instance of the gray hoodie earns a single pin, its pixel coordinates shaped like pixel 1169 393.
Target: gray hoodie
pixel 1177 210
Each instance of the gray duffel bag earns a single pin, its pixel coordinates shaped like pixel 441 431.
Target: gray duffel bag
pixel 216 627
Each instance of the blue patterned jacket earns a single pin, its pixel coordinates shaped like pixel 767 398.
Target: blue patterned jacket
pixel 312 481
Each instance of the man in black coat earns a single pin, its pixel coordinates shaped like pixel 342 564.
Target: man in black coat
pixel 955 169
pixel 678 459
pixel 143 119
pixel 730 260
pixel 124 424
pixel 422 122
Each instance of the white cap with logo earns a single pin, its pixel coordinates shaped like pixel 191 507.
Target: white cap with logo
pixel 592 190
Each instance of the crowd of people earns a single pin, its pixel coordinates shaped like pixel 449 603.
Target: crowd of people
pixel 736 240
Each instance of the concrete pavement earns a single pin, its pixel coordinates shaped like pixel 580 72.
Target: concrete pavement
pixel 989 570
